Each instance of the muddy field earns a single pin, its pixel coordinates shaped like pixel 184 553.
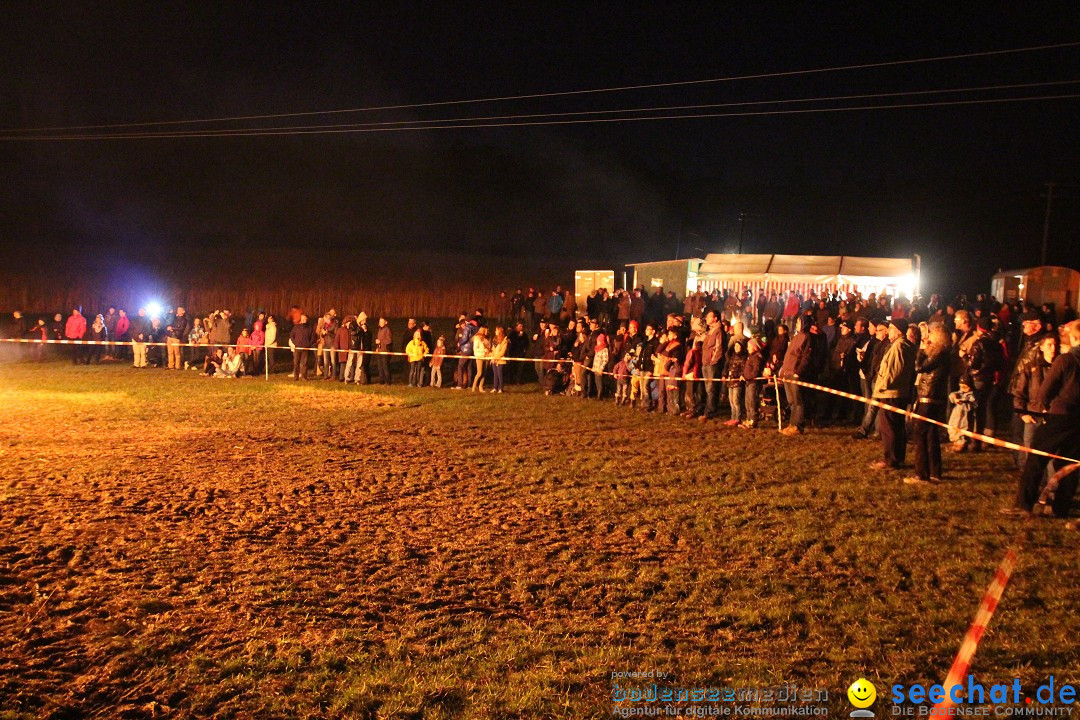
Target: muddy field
pixel 172 546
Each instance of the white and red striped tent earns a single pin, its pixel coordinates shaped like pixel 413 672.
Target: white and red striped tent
pixel 805 273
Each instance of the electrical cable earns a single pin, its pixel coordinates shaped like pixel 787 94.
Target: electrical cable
pixel 566 93
pixel 577 121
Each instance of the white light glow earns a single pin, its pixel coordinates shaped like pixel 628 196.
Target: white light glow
pixel 153 309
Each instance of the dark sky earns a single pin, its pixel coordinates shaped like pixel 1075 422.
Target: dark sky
pixel 963 185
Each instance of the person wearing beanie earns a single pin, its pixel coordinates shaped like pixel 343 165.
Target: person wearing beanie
pixel 983 359
pixel 752 370
pixel 893 386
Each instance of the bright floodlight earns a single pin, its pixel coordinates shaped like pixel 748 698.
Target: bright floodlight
pixel 153 309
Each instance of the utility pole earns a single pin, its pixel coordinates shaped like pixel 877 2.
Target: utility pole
pixel 1046 221
pixel 743 218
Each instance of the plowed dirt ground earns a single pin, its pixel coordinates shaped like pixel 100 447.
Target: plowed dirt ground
pixel 173 546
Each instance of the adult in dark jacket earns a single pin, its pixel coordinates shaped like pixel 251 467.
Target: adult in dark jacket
pixel 932 365
pixel 1060 434
pixel 466 366
pixel 868 367
pixel 342 343
pixel 637 306
pixel 384 343
pixel 981 361
pixel 796 364
pixel 99 335
pixel 777 350
pixel 301 340
pixel 1028 356
pixel 842 374
pixel 1026 393
pixel 712 359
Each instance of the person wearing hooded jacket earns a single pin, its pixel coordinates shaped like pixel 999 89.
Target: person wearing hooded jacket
pixel 258 347
pixel 796 364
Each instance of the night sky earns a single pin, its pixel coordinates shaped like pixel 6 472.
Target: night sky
pixel 962 185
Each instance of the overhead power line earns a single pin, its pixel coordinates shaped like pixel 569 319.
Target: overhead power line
pixel 584 113
pixel 574 121
pixel 564 93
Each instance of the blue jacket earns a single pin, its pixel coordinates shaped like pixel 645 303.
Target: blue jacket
pixel 465 346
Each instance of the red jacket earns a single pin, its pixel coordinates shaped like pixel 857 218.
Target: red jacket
pixel 341 342
pixel 75 327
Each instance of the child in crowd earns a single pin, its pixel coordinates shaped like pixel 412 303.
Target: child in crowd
pixel 733 376
pixel 600 364
pixel 694 402
pixel 752 370
pixel 415 351
pixel 437 358
pixel 963 401
pixel 622 380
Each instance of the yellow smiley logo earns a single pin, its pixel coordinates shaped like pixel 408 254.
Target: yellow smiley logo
pixel 862 693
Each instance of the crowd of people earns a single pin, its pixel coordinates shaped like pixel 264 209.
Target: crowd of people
pixel 990 368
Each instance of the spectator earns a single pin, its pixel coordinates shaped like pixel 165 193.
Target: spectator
pixel 869 362
pixel 437 361
pixel 40 334
pixel 111 320
pixel 301 339
pixel 1028 389
pixel 796 363
pixel 481 349
pixel 499 347
pixel 99 336
pixel 712 354
pixel 752 371
pixel 465 349
pixel 75 329
pixel 733 379
pixel 1060 434
pixel 384 343
pixel 244 350
pixel 892 386
pixel 270 341
pixel 342 341
pixel 258 347
pixel 932 365
pixel 197 341
pixel 415 352
pixel 1028 356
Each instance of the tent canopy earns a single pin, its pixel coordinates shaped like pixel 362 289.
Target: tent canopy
pixel 814 270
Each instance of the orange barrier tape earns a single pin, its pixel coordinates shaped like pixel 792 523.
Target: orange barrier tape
pixel 974 634
pixel 659 378
pixel 996 442
pixel 253 348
